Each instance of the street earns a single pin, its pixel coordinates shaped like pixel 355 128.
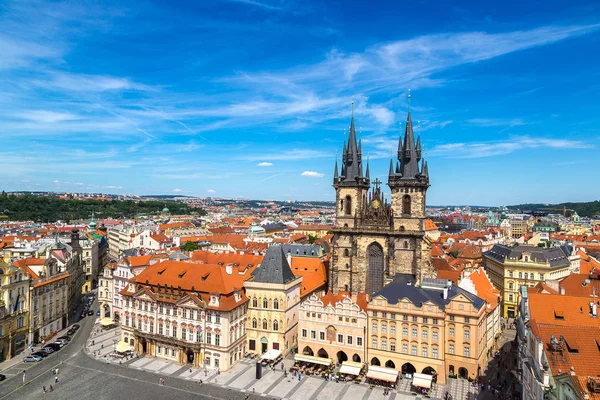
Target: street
pixel 83 377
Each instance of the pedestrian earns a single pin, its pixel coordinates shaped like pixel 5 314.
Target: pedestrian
pixel 93 342
pixel 299 376
pixel 56 370
pixel 51 388
pixel 102 346
pixel 44 388
pixel 282 366
pixel 56 379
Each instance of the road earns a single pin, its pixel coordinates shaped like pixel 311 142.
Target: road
pixel 82 377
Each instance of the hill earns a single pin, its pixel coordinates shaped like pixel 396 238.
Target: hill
pixel 43 209
pixel 586 209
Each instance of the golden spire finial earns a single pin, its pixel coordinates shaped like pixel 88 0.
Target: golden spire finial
pixel 408 100
pixel 352 106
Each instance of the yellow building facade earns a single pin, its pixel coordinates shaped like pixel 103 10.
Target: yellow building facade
pixel 509 268
pixel 14 310
pixel 436 328
pixel 274 294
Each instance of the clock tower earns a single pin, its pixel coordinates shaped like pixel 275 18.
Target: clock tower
pixel 374 240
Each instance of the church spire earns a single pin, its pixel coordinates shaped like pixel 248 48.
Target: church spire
pixel 335 171
pixel 418 148
pixel 367 173
pixel 408 156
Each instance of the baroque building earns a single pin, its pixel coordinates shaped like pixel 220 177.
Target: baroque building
pixel 374 240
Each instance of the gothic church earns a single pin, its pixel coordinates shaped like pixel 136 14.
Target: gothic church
pixel 373 239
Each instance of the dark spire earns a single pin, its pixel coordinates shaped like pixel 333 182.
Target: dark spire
pixel 418 148
pixel 352 158
pixel 409 160
pixel 367 174
pixel 391 173
pixel 425 170
pixel 335 171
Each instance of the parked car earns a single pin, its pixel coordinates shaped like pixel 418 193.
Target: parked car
pixel 53 346
pixel 71 332
pixel 98 313
pixel 32 358
pixel 91 312
pixel 61 342
pixel 47 350
pixel 83 315
pixel 75 326
pixel 68 339
pixel 2 377
pixel 40 353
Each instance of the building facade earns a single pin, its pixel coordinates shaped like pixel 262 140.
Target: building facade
pixel 436 328
pixel 14 310
pixel 106 291
pixel 189 313
pixel 509 268
pixel 89 263
pixel 374 240
pixel 274 293
pixel 333 326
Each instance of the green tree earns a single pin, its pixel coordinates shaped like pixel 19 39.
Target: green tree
pixel 454 253
pixel 312 238
pixel 190 246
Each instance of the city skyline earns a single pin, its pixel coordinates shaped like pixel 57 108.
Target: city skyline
pixel 251 98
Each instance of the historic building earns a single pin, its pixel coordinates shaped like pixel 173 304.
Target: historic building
pixel 374 240
pixel 333 326
pixel 14 310
pixel 186 312
pixel 49 297
pixel 105 291
pixel 509 268
pixel 274 293
pixel 435 328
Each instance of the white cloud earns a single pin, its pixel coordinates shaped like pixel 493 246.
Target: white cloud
pixel 56 181
pixel 490 149
pixel 211 191
pixel 265 164
pixel 48 116
pixel 92 83
pixel 177 190
pixel 312 174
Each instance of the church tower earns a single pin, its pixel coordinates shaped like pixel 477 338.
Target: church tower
pixel 373 239
pixel 350 184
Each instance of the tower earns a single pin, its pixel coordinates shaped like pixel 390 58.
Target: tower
pixel 374 240
pixel 350 184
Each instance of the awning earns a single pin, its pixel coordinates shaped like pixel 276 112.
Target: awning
pixel 107 322
pixel 351 368
pixel 383 374
pixel 422 380
pixel 271 355
pixel 313 360
pixel 123 347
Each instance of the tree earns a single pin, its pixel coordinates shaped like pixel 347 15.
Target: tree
pixel 312 238
pixel 454 253
pixel 190 246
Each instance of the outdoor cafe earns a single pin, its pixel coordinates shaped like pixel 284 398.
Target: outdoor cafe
pixel 310 365
pixel 382 376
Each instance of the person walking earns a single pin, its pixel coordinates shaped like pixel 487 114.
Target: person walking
pixel 51 388
pixel 44 388
pixel 56 379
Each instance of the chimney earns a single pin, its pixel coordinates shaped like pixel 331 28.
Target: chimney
pixel 289 258
pixel 445 293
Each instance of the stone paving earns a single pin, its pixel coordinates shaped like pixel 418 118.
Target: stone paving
pixel 242 377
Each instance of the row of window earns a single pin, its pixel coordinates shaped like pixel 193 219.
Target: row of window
pixel 265 303
pixel 404 317
pixel 340 337
pixel 415 332
pixel 523 275
pixel 185 313
pixel 265 324
pixel 414 349
pixel 168 330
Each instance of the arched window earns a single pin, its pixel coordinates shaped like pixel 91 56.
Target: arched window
pixel 265 303
pixel 276 304
pixel 254 323
pixel 342 205
pixel 254 302
pixel 265 326
pixel 348 210
pixel 406 205
pixel 346 252
pixel 405 244
pixel 275 325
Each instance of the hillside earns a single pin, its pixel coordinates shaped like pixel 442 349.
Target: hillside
pixel 43 209
pixel 586 209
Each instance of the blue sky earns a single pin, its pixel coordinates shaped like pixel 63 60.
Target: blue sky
pixel 250 98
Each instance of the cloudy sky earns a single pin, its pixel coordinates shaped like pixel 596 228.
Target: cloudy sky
pixel 251 98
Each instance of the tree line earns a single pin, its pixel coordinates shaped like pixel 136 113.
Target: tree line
pixel 50 209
